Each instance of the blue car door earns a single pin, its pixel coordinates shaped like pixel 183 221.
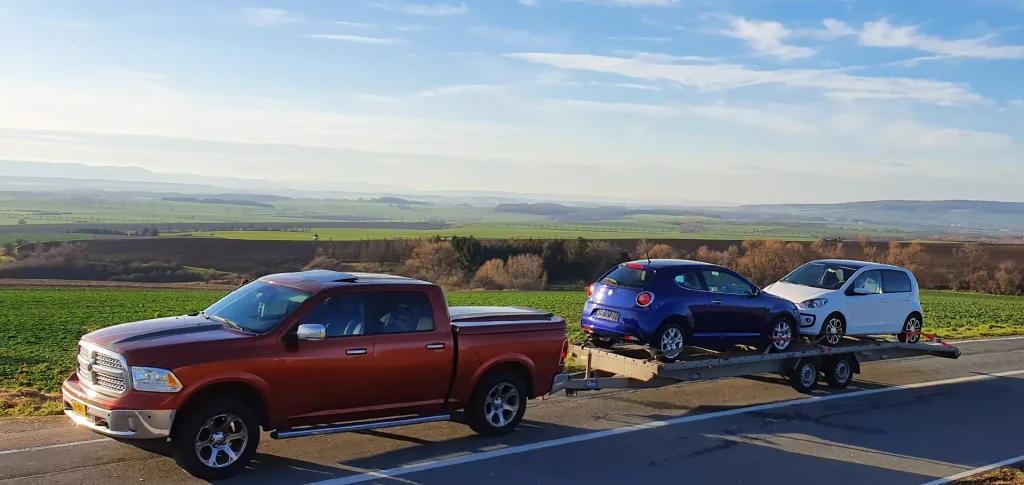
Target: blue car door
pixel 735 312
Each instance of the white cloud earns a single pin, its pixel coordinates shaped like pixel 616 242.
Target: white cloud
pixel 657 58
pixel 730 76
pixel 359 39
pixel 270 17
pixel 361 25
pixel 438 10
pixel 459 89
pixel 637 87
pixel 766 38
pixel 1016 103
pixel 529 3
pixel 884 34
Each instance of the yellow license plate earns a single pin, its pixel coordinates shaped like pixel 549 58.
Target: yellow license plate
pixel 78 408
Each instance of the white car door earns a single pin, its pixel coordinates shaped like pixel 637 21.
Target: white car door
pixel 899 300
pixel 865 304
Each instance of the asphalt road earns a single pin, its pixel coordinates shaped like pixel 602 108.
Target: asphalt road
pixel 902 422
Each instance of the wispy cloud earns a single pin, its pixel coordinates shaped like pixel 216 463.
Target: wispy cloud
pixel 632 3
pixel 519 38
pixel 438 10
pixel 359 39
pixel 361 25
pixel 459 89
pixel 270 17
pixel 529 3
pixel 412 28
pixel 639 38
pixel 658 58
pixel 766 38
pixel 884 34
pixel 606 107
pixel 637 87
pixel 731 76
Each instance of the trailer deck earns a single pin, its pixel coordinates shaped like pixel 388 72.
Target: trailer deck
pixel 633 367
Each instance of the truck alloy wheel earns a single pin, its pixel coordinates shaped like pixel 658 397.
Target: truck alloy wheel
pixel 215 439
pixel 497 405
pixel 221 440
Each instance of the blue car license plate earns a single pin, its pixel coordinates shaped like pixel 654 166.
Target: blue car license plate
pixel 607 315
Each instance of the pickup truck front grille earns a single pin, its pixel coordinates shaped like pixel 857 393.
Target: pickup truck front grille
pixel 102 370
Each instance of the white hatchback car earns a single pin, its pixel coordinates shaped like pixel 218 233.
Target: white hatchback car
pixel 840 297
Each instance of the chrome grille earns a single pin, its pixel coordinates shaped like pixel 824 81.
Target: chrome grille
pixel 102 370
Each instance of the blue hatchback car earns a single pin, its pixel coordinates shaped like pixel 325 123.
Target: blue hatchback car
pixel 669 303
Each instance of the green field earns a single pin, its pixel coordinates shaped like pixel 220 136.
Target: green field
pixel 40 327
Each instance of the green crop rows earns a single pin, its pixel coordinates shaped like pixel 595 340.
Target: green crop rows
pixel 40 327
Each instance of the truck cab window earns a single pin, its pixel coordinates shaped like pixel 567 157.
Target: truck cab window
pixel 343 315
pixel 396 312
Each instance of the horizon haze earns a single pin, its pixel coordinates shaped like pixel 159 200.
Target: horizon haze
pixel 647 101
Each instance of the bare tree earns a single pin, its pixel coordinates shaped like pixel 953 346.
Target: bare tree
pixel 526 271
pixel 492 275
pixel 1008 280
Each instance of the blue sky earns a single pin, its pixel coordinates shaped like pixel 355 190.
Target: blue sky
pixel 739 100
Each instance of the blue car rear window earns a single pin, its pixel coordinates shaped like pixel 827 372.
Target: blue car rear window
pixel 627 277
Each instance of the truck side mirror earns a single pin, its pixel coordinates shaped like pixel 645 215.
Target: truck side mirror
pixel 311 332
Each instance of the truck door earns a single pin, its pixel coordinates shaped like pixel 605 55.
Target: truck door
pixel 327 378
pixel 413 356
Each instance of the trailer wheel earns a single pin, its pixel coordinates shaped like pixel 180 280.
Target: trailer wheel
pixel 497 405
pixel 216 440
pixel 804 377
pixel 839 372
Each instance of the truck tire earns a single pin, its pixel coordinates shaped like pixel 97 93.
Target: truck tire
pixel 804 377
pixel 497 405
pixel 838 372
pixel 215 439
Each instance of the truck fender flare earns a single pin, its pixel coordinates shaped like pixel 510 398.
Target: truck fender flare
pixel 495 361
pixel 246 378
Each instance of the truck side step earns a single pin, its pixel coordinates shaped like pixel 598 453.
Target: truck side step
pixel 361 426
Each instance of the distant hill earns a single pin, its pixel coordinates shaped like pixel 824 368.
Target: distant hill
pixel 396 201
pixel 567 213
pixel 197 200
pixel 963 214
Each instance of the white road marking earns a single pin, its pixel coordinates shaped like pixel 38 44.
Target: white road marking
pixel 979 340
pixel 47 447
pixel 459 460
pixel 968 473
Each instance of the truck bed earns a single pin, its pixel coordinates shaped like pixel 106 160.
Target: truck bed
pixel 472 320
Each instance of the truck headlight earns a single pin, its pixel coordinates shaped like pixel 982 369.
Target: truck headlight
pixel 154 380
pixel 815 303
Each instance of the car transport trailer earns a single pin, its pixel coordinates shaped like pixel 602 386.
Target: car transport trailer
pixel 633 367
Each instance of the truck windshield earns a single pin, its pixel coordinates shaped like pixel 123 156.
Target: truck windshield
pixel 822 275
pixel 257 307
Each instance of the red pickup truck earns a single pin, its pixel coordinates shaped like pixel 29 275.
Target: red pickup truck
pixel 310 353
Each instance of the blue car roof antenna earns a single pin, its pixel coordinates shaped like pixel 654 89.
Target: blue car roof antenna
pixel 647 250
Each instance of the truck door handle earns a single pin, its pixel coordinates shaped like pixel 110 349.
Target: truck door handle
pixel 716 302
pixel 355 351
pixel 435 346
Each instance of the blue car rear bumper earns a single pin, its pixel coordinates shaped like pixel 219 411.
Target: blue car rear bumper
pixel 626 328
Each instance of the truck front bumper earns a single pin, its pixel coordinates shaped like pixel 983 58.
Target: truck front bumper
pixel 559 383
pixel 117 423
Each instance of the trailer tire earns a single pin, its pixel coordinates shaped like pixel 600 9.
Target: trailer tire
pixel 839 372
pixel 497 405
pixel 804 377
pixel 219 423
